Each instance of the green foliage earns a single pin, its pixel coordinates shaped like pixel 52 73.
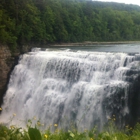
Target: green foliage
pixel 49 21
pixel 7 26
pixel 13 133
pixel 34 134
pixel 33 131
pixel 110 132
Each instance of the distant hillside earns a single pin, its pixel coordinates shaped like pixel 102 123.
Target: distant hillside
pixel 25 22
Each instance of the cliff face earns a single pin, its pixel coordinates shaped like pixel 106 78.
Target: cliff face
pixel 6 64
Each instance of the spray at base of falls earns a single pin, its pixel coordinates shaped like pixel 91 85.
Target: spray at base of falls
pixel 63 87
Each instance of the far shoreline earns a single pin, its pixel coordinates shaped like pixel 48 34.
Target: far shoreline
pixel 86 43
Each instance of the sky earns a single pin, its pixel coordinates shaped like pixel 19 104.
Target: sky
pixel 136 2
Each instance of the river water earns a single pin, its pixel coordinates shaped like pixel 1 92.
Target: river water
pixel 127 48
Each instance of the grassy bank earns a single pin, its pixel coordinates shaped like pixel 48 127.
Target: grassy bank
pixel 34 133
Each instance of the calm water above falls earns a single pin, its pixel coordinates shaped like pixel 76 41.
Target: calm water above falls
pixel 76 85
pixel 127 48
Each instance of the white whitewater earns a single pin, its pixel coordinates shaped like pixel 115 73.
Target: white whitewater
pixel 64 87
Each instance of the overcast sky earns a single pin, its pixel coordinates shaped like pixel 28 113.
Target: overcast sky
pixel 137 2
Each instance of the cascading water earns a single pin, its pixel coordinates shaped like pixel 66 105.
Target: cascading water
pixel 79 87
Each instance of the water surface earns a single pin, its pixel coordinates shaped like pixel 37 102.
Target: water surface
pixel 127 48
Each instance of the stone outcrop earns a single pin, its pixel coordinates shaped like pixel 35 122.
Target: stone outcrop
pixel 6 63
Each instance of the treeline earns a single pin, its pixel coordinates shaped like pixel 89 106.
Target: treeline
pixel 50 21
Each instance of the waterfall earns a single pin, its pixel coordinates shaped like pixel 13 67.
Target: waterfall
pixel 64 87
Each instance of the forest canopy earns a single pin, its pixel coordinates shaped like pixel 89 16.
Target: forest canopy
pixel 55 21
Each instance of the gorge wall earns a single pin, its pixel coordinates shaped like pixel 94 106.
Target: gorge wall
pixel 7 62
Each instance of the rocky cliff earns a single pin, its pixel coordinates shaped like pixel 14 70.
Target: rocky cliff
pixel 7 62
